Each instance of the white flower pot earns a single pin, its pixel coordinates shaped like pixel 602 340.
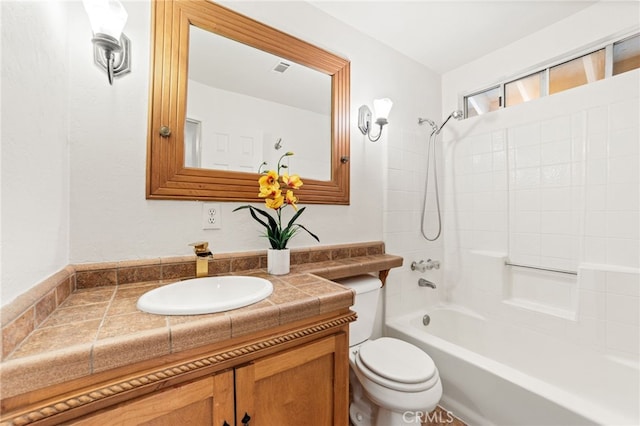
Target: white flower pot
pixel 278 261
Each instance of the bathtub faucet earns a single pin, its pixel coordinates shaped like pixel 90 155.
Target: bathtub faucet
pixel 426 283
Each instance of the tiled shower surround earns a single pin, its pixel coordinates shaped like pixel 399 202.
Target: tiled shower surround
pixel 552 183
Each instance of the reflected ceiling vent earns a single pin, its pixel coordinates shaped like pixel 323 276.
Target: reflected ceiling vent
pixel 281 67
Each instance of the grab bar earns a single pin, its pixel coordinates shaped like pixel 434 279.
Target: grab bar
pixel 560 271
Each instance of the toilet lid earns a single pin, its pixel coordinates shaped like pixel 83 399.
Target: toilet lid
pixel 397 360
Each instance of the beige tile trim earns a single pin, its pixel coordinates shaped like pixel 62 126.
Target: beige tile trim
pixel 23 315
pixel 28 299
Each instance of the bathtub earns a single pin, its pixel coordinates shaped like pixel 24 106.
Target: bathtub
pixel 497 374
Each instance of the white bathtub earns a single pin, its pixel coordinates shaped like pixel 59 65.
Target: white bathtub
pixel 495 374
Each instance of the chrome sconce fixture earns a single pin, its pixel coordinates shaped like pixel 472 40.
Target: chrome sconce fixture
pixel 111 48
pixel 381 107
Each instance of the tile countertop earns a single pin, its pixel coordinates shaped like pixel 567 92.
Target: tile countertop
pixel 97 329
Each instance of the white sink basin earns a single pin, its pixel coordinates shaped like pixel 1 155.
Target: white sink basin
pixel 205 295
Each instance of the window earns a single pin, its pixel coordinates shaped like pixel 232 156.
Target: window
pixel 524 89
pixel 583 70
pixel 605 60
pixel 482 102
pixel 626 55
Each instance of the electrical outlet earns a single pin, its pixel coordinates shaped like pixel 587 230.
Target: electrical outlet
pixel 211 216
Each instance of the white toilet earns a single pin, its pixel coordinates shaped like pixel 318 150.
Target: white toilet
pixel 392 381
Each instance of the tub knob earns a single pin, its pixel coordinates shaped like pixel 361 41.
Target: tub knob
pixel 423 266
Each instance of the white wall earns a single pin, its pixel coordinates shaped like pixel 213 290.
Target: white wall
pixel 554 183
pixel 110 219
pixel 35 153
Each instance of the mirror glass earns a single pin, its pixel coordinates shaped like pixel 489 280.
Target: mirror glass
pixel 246 107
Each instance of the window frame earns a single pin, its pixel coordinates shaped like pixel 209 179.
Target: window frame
pixel 545 67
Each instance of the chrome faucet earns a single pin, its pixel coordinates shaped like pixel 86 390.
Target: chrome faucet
pixel 203 254
pixel 426 283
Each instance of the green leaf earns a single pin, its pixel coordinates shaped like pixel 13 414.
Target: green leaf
pixel 272 222
pixel 295 216
pixel 310 233
pixel 278 238
pixel 263 223
pixel 287 234
pixel 271 226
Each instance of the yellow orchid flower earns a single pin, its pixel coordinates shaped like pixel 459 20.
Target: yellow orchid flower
pixel 270 179
pixel 292 181
pixel 291 200
pixel 274 203
pixel 270 191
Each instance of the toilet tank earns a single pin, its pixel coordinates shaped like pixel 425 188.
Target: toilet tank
pixel 367 288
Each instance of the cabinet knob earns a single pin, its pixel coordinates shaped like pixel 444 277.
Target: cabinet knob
pixel 165 131
pixel 225 423
pixel 245 419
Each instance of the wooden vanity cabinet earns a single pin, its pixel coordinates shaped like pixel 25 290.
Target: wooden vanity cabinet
pixel 303 386
pixel 207 401
pixel 306 384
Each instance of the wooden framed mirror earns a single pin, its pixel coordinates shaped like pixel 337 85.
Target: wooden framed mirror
pixel 167 175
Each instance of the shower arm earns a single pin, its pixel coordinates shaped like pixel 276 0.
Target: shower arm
pixel 434 126
pixel 435 129
pixel 455 114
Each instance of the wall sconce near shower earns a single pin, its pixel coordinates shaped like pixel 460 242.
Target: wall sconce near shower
pixel 111 48
pixel 381 108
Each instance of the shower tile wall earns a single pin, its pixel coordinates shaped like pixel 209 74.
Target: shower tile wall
pixel 404 186
pixel 612 195
pixel 546 163
pixel 554 183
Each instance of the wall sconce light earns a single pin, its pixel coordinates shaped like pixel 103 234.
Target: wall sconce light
pixel 111 48
pixel 381 107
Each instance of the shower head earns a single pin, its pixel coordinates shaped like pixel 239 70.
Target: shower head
pixel 458 115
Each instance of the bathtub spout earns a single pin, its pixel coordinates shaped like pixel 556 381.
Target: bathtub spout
pixel 425 283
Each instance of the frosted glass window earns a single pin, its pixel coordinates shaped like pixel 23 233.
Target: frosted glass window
pixel 626 55
pixel 483 102
pixel 583 70
pixel 524 89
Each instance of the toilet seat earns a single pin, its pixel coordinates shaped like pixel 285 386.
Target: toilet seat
pixel 397 365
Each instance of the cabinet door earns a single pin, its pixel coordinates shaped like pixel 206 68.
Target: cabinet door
pixel 207 401
pixel 307 385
